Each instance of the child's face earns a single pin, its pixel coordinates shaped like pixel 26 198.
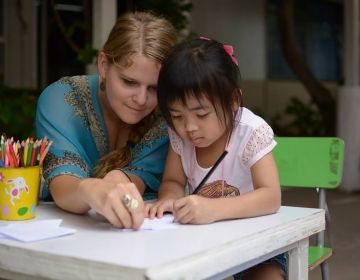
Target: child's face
pixel 198 122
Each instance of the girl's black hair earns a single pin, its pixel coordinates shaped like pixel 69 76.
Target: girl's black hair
pixel 200 68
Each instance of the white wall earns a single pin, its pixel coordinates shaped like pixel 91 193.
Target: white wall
pixel 240 23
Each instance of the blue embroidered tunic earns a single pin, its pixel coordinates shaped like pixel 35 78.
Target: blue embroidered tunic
pixel 70 115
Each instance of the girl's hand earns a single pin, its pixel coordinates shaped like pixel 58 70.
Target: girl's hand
pixel 105 197
pixel 158 208
pixel 194 209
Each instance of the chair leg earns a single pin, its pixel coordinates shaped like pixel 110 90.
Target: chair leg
pixel 325 271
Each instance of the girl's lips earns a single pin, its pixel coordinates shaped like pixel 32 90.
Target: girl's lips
pixel 195 140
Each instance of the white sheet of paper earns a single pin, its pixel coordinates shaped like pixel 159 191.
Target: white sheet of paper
pixel 166 222
pixel 31 231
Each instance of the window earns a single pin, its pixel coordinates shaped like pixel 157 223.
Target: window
pixel 318 30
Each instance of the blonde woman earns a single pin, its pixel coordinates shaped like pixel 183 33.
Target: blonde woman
pixel 109 144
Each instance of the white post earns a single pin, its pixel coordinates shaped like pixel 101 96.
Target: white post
pixel 104 17
pixel 20 33
pixel 348 113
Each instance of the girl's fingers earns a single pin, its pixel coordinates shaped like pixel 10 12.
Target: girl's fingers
pixel 147 209
pixel 153 211
pixel 180 203
pixel 182 213
pixel 187 219
pixel 160 211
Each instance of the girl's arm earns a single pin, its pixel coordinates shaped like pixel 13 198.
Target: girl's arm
pixel 265 199
pixel 172 187
pixel 174 178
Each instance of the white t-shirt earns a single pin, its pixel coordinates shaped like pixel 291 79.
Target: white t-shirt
pixel 251 139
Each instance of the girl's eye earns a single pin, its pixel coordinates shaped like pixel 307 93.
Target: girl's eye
pixel 176 117
pixel 202 116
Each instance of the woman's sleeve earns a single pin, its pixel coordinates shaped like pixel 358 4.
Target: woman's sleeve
pixel 55 119
pixel 149 155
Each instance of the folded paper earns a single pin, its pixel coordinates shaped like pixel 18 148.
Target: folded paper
pixel 31 231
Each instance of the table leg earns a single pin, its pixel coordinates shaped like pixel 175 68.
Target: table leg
pixel 298 261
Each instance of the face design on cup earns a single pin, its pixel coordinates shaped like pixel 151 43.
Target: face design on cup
pixel 19 191
pixel 16 186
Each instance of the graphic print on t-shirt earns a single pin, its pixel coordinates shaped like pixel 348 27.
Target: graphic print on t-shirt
pixel 218 188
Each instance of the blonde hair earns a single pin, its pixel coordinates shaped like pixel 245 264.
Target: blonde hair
pixel 135 33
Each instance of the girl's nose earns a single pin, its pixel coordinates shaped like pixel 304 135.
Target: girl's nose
pixel 190 126
pixel 141 96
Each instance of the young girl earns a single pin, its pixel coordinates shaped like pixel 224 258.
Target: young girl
pixel 200 98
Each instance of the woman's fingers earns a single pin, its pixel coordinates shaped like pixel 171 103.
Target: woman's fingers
pixel 123 206
pixel 137 213
pixel 113 219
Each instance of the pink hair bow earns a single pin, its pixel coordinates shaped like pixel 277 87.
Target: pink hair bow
pixel 229 50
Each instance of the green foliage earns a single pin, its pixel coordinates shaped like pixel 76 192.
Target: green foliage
pixel 17 112
pixel 87 54
pixel 299 119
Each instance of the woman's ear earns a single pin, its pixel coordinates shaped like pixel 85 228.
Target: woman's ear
pixel 102 64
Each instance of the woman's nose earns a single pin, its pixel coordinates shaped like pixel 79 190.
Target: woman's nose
pixel 141 96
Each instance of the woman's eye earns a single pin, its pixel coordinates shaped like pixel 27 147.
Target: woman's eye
pixel 175 117
pixel 152 89
pixel 129 82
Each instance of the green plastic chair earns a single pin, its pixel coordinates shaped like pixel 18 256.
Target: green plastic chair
pixel 312 162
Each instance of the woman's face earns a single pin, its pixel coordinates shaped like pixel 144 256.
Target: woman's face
pixel 130 91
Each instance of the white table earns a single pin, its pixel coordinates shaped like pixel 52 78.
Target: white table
pixel 97 251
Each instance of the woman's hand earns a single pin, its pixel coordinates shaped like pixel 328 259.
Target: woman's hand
pixel 194 209
pixel 158 208
pixel 106 198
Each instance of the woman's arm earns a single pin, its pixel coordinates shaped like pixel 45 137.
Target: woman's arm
pixel 65 189
pixel 103 195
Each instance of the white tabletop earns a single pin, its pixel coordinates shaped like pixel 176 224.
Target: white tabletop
pixel 97 251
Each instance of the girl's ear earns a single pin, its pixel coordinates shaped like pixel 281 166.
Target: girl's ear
pixel 237 99
pixel 102 64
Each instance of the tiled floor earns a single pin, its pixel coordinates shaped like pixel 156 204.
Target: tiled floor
pixel 345 230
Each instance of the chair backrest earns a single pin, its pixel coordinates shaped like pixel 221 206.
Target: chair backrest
pixel 310 162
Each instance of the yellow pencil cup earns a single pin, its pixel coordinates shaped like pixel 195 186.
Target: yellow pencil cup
pixel 19 192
